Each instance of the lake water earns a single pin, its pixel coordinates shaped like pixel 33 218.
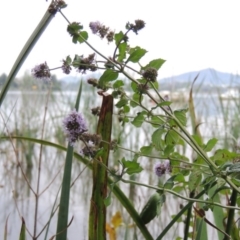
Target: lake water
pixel 22 114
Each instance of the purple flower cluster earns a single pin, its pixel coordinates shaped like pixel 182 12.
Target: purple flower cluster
pixel 74 126
pixel 95 26
pixel 162 168
pixel 41 72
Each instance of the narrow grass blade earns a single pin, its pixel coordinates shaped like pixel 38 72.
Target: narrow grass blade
pixel 97 215
pixel 199 230
pixel 62 223
pixel 25 51
pixel 23 231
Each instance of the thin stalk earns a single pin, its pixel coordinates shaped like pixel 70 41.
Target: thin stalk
pixel 39 168
pixel 179 195
pixel 188 218
pixel 179 214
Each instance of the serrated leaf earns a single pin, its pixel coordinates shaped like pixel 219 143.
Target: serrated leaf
pixel 194 180
pixel 210 144
pixel 107 76
pixel 171 138
pixel 181 116
pixel 156 121
pixel 139 119
pixel 118 37
pixel 157 139
pixel 118 84
pixel 131 167
pixel 122 48
pixel 136 54
pixel 83 37
pixel 157 63
pixel 224 154
pixel 121 103
pixel 146 150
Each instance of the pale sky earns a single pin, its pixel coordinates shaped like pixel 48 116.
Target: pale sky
pixel 190 35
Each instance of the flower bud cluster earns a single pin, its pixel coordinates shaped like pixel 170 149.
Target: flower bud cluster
pixel 41 72
pixel 101 30
pixel 74 126
pixel 150 74
pixel 162 168
pixel 139 24
pixel 82 64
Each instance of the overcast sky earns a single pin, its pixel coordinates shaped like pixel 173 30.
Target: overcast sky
pixel 190 35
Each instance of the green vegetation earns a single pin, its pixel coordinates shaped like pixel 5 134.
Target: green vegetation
pixel 142 165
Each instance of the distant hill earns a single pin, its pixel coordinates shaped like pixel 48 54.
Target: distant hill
pixel 208 79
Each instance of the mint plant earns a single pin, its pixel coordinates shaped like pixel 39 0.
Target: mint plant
pixel 201 180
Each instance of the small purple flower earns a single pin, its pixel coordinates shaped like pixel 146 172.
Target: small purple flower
pixel 162 168
pixel 74 126
pixel 95 26
pixel 41 72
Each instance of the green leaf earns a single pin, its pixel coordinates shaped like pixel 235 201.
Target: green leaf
pixel 131 166
pixel 83 36
pixel 169 184
pixel 122 102
pixel 118 37
pixel 210 144
pixel 107 201
pixel 156 121
pixel 136 54
pixel 139 119
pixel 181 116
pixel 122 51
pixel 236 181
pixel 157 140
pixel 137 99
pixel 157 63
pixel 146 150
pixel 194 180
pixel 224 154
pixel 198 139
pixel 118 84
pixel 168 150
pixel 134 86
pixel 107 76
pixel 171 137
pixel 126 109
pixel 152 207
pixel 164 103
pixel 220 189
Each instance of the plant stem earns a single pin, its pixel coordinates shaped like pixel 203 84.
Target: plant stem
pixel 230 219
pixel 39 167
